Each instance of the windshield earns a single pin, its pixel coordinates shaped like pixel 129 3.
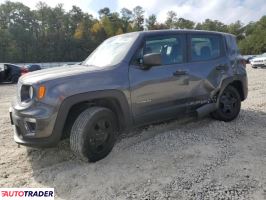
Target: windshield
pixel 111 51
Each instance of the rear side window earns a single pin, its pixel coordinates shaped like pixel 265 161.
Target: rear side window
pixel 205 47
pixel 171 49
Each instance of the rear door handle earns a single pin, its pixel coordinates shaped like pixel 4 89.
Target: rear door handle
pixel 179 73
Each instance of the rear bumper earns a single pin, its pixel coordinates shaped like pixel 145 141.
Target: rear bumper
pixel 34 127
pixel 260 64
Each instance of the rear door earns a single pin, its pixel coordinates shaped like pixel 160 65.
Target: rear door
pixel 160 92
pixel 207 66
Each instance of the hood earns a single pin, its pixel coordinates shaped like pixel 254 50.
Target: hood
pixel 259 58
pixel 43 75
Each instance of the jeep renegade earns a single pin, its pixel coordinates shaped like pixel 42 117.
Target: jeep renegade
pixel 130 80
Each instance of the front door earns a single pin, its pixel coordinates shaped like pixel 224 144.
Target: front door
pixel 159 92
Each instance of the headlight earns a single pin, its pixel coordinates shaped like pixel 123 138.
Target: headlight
pixel 31 91
pixel 26 93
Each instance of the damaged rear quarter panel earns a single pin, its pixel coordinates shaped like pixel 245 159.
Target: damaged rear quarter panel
pixel 205 79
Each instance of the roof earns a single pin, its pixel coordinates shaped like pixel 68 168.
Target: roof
pixel 169 31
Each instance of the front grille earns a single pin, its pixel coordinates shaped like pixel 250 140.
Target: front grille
pixel 30 127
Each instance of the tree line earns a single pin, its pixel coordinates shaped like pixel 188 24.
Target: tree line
pixel 49 34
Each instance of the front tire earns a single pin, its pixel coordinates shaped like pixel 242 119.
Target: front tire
pixel 93 134
pixel 229 105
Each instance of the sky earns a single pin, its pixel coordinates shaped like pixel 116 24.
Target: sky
pixel 226 11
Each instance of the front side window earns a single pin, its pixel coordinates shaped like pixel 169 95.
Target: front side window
pixel 204 47
pixel 170 48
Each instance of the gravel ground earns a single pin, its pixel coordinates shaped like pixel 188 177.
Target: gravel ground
pixel 184 159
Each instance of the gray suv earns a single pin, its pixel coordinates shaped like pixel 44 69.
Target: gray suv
pixel 129 81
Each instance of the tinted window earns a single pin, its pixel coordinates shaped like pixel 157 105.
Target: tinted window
pixel 170 48
pixel 231 44
pixel 204 47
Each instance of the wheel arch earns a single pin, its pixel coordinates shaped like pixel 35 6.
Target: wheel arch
pixel 240 83
pixel 237 84
pixel 72 106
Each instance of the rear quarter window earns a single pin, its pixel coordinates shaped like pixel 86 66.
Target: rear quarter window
pixel 231 44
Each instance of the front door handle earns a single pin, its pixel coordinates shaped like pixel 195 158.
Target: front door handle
pixel 179 73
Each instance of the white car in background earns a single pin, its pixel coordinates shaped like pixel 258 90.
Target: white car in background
pixel 258 61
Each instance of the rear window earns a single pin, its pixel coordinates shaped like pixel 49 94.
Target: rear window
pixel 205 47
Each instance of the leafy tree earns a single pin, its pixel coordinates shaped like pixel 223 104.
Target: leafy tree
pixel 49 34
pixel 16 22
pixel 151 22
pixel 212 25
pixel 98 32
pixel 126 19
pixel 104 12
pixel 255 41
pixel 138 18
pixel 111 23
pixel 171 19
pixel 182 23
pixel 126 14
pixel 237 29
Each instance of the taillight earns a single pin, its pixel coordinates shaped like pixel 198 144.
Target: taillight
pixel 24 70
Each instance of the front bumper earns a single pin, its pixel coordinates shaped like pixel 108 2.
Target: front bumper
pixel 34 126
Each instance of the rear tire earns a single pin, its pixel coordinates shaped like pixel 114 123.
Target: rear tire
pixel 93 134
pixel 229 105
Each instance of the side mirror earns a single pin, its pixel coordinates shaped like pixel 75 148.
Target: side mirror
pixel 152 59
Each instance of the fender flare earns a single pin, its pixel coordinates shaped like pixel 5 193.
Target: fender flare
pixel 228 81
pixel 89 96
